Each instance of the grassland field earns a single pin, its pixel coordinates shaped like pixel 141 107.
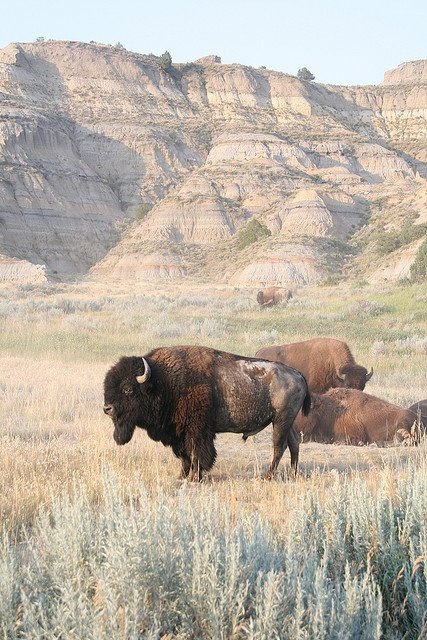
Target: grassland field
pixel 100 541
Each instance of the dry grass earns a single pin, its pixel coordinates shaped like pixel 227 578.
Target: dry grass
pixel 56 346
pixel 54 432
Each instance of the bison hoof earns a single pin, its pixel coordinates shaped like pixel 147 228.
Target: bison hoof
pixel 267 476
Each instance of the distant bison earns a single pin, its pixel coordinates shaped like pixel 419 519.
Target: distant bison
pixel 273 295
pixel 354 417
pixel 184 396
pixel 326 363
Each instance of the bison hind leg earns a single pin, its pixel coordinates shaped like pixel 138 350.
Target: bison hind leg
pixel 293 444
pixel 283 435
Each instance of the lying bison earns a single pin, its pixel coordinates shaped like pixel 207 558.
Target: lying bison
pixel 325 362
pixel 420 410
pixel 273 295
pixel 354 417
pixel 184 396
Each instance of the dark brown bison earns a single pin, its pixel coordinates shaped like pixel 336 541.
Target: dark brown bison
pixel 420 408
pixel 273 295
pixel 354 417
pixel 420 411
pixel 184 396
pixel 325 363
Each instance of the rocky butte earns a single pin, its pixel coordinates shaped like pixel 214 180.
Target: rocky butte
pixel 113 167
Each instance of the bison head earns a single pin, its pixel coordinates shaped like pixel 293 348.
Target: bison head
pixel 354 376
pixel 122 395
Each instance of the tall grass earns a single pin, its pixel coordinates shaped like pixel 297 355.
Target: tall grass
pixel 348 564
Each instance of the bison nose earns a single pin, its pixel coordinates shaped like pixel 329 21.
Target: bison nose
pixel 108 409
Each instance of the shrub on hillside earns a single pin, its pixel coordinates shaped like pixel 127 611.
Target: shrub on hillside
pixel 305 74
pixel 419 268
pixel 390 241
pixel 253 232
pixel 142 210
pixel 165 61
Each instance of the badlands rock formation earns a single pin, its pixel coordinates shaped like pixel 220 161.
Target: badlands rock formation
pixel 407 73
pixel 95 140
pixel 21 271
pixel 397 266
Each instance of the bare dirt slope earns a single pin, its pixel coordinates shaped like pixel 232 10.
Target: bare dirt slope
pixel 95 140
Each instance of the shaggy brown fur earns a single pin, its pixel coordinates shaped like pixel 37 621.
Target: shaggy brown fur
pixel 420 411
pixel 273 295
pixel 353 417
pixel 325 362
pixel 193 393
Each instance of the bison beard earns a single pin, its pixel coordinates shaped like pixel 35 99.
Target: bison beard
pixel 184 396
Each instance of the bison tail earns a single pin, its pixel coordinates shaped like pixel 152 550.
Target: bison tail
pixel 306 404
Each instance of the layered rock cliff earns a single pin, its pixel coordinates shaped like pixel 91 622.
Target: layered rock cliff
pixel 96 139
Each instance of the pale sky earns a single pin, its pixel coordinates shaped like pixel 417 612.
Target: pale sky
pixel 339 41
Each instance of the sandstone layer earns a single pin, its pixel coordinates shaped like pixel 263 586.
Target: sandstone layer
pixel 111 162
pixel 407 73
pixel 21 271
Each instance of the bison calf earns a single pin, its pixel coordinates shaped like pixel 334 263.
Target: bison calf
pixel 184 396
pixel 325 362
pixel 352 416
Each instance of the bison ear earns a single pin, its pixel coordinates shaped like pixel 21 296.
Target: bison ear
pixel 342 372
pixel 369 375
pixel 147 373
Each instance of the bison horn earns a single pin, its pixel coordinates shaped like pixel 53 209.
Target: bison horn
pixel 147 373
pixel 369 375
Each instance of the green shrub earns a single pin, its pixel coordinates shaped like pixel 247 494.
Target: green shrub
pixel 165 61
pixel 387 242
pixel 253 232
pixel 359 283
pixel 419 268
pixel 142 210
pixel 331 281
pixel 305 74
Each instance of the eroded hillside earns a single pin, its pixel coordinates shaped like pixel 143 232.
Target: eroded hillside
pixel 111 162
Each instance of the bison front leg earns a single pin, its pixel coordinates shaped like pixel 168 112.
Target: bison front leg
pixel 185 467
pixel 202 454
pixel 178 448
pixel 281 432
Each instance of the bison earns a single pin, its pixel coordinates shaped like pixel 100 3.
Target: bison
pixel 420 409
pixel 273 295
pixel 354 417
pixel 325 363
pixel 184 396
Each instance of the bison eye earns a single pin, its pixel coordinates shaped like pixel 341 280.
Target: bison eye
pixel 128 391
